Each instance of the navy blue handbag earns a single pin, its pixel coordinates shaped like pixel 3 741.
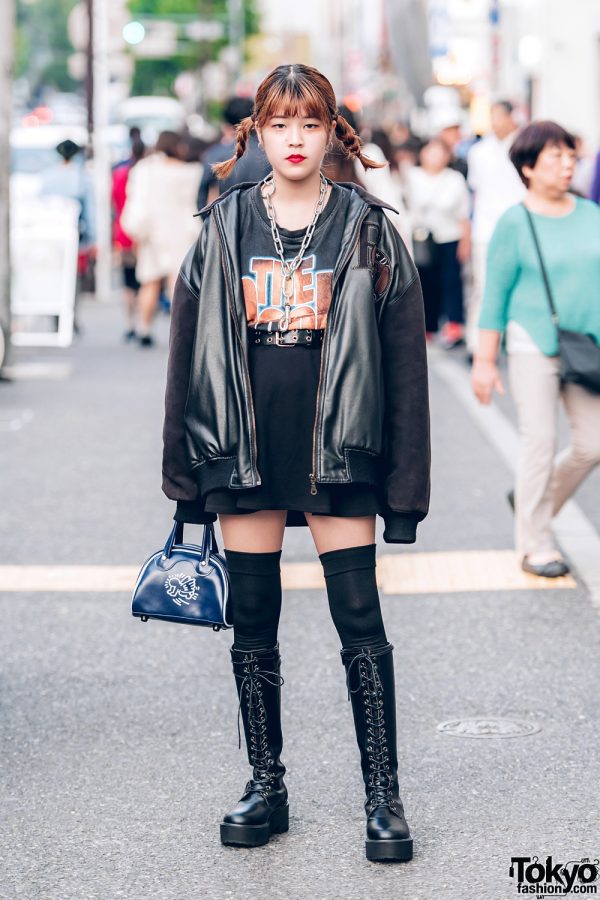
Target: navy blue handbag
pixel 185 583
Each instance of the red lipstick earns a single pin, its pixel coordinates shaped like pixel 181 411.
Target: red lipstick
pixel 295 158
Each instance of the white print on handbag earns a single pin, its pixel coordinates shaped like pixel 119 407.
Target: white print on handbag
pixel 181 588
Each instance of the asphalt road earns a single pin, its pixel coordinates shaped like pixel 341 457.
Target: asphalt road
pixel 118 740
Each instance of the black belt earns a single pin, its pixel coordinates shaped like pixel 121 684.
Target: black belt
pixel 294 337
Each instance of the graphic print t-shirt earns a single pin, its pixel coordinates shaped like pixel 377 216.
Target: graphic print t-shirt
pixel 261 267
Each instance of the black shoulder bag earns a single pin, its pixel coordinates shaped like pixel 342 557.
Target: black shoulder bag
pixel 579 353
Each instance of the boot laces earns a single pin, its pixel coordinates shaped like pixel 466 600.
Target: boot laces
pixel 251 693
pixel 380 782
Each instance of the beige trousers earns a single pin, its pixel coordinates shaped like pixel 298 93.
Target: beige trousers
pixel 544 482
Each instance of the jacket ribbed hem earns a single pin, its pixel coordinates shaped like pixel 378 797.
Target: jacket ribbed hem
pixel 400 528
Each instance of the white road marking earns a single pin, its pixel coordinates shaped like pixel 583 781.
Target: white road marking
pixel 39 371
pixel 397 573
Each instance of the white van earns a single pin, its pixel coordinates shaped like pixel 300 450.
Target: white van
pixel 151 115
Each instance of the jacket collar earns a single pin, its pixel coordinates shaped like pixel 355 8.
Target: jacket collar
pixel 364 195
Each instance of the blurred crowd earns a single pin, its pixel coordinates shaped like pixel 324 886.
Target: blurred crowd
pixel 449 190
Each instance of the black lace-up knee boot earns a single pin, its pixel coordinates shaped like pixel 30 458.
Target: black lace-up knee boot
pixel 370 680
pixel 263 808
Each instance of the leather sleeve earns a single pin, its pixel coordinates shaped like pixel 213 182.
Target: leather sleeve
pixel 178 481
pixel 404 361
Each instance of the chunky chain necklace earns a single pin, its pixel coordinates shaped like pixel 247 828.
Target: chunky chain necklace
pixel 289 267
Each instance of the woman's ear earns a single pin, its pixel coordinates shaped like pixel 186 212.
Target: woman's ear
pixel 258 135
pixel 527 172
pixel 331 138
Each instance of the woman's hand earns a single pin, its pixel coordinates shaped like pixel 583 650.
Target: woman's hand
pixel 485 378
pixel 463 251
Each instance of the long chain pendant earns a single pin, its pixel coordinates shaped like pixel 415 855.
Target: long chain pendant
pixel 288 269
pixel 287 295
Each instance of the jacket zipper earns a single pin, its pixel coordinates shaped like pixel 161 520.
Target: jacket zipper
pixel 312 478
pixel 245 362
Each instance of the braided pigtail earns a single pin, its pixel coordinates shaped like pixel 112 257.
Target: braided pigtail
pixel 350 141
pixel 242 132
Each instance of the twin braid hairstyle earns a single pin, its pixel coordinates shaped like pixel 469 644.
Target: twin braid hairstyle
pixel 296 90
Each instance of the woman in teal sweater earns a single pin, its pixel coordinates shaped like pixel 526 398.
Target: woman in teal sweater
pixel 516 305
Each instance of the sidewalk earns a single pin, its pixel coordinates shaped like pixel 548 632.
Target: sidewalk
pixel 118 740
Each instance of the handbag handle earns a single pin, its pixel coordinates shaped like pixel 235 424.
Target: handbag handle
pixel 209 541
pixel 542 266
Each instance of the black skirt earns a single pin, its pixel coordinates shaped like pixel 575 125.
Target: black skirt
pixel 284 388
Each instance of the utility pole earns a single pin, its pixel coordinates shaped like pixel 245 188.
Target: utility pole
pixel 102 171
pixel 89 70
pixel 236 34
pixel 7 41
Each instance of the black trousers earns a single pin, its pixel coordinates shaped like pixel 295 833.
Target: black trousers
pixel 442 287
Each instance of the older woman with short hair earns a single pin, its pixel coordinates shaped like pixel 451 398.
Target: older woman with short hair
pixel 516 305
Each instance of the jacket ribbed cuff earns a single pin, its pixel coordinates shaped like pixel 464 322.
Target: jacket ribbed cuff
pixel 193 513
pixel 400 528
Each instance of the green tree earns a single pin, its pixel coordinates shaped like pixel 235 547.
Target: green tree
pixel 43 45
pixel 156 76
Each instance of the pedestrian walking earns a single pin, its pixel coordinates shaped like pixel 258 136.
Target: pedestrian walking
pixel 159 216
pixel 516 304
pixel 496 186
pixel 121 240
pixel 385 182
pixel 253 167
pixel 297 394
pixel 446 126
pixel 70 179
pixel 439 206
pixel 379 180
pixel 337 165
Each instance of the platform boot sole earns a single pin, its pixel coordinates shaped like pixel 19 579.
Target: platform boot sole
pixel 256 835
pixel 401 850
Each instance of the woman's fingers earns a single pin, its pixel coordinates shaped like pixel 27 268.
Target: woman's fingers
pixel 484 379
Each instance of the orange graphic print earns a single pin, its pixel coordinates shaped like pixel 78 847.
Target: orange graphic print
pixel 263 295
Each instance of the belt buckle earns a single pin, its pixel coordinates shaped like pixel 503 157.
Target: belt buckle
pixel 281 343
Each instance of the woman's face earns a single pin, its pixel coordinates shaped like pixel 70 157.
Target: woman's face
pixel 434 156
pixel 294 146
pixel 553 169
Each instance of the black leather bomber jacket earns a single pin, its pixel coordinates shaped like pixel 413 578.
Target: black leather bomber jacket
pixel 372 415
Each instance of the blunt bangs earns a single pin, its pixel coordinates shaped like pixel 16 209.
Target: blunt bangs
pixel 294 96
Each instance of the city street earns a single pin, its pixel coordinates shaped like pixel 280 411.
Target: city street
pixel 118 740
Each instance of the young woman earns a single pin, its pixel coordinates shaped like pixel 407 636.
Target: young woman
pixel 297 394
pixel 515 303
pixel 158 216
pixel 438 199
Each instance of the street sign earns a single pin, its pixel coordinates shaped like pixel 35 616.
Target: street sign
pixel 200 30
pixel 44 245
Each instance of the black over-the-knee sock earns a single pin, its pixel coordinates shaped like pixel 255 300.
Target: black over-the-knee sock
pixel 255 597
pixel 353 596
